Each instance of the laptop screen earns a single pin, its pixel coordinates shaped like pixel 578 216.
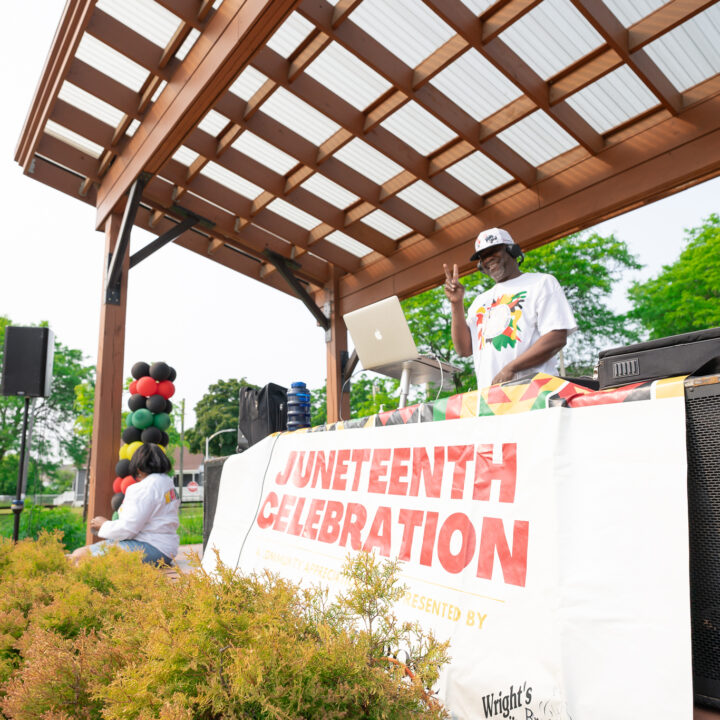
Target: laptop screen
pixel 380 333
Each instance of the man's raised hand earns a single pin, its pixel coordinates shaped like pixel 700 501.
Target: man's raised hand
pixel 454 289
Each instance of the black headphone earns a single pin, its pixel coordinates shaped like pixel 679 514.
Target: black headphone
pixel 514 251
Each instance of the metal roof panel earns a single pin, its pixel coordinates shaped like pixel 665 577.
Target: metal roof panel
pixel 72 138
pixel 231 180
pixel 248 82
pixel 329 191
pixel 297 115
pixel 552 36
pixel 613 99
pixel 418 128
pixel 475 85
pixel 110 62
pixel 145 17
pixel 630 12
pixel 213 123
pixel 538 138
pixel 386 224
pixel 345 242
pixel 90 104
pixel 409 29
pixel 479 173
pixel 368 161
pixel 290 34
pixel 427 199
pixel 347 76
pixel 258 149
pixel 690 53
pixel 290 212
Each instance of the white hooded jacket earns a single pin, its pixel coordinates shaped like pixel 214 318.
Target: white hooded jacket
pixel 149 513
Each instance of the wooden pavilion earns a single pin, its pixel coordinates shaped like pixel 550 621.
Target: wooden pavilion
pixel 342 150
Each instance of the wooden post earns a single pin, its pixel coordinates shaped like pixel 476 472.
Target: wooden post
pixel 337 406
pixel 108 387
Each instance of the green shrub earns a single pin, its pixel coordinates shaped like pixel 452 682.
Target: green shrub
pixel 114 639
pixel 35 519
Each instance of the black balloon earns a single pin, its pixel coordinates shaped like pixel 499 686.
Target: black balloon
pixel 159 371
pixel 151 435
pixel 156 403
pixel 168 407
pixel 116 501
pixel 140 369
pixel 130 435
pixel 137 401
pixel 171 377
pixel 122 469
pixel 165 439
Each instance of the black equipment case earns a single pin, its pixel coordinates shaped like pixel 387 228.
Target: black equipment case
pixel 666 357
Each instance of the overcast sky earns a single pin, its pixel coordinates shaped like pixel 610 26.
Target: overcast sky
pixel 205 320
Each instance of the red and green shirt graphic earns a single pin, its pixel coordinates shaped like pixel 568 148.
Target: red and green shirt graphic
pixel 499 322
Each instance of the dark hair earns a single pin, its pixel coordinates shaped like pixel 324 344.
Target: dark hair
pixel 149 458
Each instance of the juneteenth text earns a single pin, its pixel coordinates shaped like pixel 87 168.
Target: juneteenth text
pixel 456 472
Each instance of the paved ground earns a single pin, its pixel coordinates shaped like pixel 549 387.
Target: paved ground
pixel 183 557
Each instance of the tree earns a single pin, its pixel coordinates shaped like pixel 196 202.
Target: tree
pixel 685 296
pixel 587 266
pixel 368 395
pixel 52 417
pixel 217 410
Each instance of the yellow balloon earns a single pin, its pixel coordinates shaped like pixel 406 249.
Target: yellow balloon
pixel 123 452
pixel 163 448
pixel 132 447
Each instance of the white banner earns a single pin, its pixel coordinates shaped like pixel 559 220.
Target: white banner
pixel 550 547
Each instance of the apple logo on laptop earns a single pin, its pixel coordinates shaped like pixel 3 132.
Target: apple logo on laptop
pixel 378 335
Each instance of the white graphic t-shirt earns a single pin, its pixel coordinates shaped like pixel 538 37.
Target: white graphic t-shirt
pixel 507 319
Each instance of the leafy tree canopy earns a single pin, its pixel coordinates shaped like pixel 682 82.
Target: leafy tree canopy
pixel 217 410
pixel 685 295
pixel 368 395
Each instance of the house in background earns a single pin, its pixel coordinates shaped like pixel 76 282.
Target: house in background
pixel 192 474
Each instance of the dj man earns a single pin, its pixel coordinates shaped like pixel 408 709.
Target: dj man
pixel 517 326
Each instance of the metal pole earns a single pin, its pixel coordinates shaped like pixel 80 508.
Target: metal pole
pixel 18 503
pixel 182 446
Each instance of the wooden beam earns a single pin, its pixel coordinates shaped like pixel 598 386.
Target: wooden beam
pixel 616 35
pixel 232 34
pixel 581 74
pixel 459 17
pixel 338 403
pixel 499 16
pixel 430 98
pixel 664 19
pixel 668 156
pixel 72 25
pixel 107 423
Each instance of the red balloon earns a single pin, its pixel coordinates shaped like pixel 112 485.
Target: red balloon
pixel 116 484
pixel 133 387
pixel 127 481
pixel 166 389
pixel 147 386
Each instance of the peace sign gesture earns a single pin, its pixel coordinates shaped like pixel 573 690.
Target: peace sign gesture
pixel 454 289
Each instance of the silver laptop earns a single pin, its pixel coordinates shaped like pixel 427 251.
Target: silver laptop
pixel 384 344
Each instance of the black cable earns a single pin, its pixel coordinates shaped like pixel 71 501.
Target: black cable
pixel 260 499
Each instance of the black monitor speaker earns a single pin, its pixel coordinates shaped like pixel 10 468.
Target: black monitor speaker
pixel 702 417
pixel 27 361
pixel 211 488
pixel 261 412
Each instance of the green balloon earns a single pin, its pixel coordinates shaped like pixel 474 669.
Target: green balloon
pixel 129 420
pixel 162 421
pixel 142 418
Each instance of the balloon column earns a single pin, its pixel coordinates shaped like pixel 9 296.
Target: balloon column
pixel 149 418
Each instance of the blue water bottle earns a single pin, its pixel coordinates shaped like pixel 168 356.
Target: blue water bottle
pixel 298 406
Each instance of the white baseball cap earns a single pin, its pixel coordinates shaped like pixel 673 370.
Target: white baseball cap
pixel 489 238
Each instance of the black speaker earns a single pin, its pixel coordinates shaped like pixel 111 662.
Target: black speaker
pixel 28 361
pixel 702 417
pixel 261 412
pixel 211 487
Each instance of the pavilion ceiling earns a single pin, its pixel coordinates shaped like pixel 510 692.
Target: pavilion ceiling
pixel 370 140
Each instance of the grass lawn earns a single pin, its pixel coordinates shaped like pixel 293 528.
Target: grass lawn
pixel 190 530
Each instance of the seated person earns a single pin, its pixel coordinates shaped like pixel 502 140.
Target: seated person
pixel 148 517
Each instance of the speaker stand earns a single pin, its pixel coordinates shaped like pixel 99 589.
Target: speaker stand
pixel 18 504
